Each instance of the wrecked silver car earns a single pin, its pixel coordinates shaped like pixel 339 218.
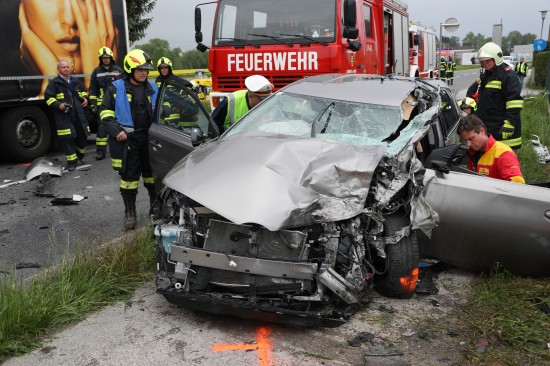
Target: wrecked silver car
pixel 318 194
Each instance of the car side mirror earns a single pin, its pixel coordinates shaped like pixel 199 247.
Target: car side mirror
pixel 442 159
pixel 197 136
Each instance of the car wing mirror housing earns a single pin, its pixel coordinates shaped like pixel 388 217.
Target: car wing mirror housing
pixel 197 136
pixel 442 159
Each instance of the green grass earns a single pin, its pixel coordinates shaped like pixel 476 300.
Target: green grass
pixel 535 121
pixel 498 308
pixel 500 311
pixel 83 282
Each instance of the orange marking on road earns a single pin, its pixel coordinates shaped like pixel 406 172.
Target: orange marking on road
pixel 263 345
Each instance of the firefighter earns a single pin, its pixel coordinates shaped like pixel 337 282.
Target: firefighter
pixel 521 70
pixel 451 67
pixel 164 67
pixel 176 112
pixel 468 105
pixel 443 69
pixel 127 112
pixel 67 97
pixel 101 79
pixel 238 103
pixel 499 97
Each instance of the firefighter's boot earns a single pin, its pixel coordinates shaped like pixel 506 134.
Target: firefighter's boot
pixel 155 207
pixel 129 199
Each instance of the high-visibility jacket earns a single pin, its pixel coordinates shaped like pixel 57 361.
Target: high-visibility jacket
pixel 521 69
pixel 499 104
pixel 237 106
pixel 117 107
pixel 497 161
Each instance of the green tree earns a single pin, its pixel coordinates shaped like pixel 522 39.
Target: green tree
pixel 475 41
pixel 137 24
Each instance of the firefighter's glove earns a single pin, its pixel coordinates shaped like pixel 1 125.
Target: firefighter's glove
pixel 507 130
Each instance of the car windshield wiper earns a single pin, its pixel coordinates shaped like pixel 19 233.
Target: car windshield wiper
pixel 240 40
pixel 305 37
pixel 278 39
pixel 318 118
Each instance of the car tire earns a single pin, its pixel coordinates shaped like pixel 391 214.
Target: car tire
pixel 402 259
pixel 25 134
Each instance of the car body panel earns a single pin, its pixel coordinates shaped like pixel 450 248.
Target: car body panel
pixel 302 181
pixel 484 221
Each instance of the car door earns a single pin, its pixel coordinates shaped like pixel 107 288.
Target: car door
pixel 483 221
pixel 179 114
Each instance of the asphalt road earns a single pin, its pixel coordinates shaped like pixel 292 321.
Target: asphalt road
pixel 35 233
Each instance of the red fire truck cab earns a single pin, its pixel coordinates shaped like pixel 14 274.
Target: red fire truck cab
pixel 288 40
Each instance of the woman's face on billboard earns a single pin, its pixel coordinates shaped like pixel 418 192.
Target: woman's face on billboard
pixel 54 23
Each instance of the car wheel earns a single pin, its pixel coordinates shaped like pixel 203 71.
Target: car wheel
pixel 402 259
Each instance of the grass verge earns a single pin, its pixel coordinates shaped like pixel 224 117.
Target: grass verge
pixel 503 309
pixel 80 284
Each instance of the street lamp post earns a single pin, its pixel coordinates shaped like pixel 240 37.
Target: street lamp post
pixel 543 15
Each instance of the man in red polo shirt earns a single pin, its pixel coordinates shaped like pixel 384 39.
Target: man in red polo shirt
pixel 486 155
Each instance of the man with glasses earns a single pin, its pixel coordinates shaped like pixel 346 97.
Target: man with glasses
pixel 238 103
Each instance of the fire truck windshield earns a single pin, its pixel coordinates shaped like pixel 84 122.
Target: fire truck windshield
pixel 275 22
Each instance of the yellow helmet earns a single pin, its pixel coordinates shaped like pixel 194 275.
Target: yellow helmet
pixel 468 103
pixel 489 51
pixel 163 61
pixel 105 52
pixel 137 59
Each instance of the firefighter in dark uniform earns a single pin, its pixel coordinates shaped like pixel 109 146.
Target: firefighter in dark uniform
pixel 67 97
pixel 451 67
pixel 182 113
pixel 127 112
pixel 499 97
pixel 101 79
pixel 442 69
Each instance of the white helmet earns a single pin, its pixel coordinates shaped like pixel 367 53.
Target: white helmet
pixel 490 51
pixel 259 85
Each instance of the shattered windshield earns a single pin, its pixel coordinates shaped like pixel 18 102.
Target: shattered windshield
pixel 348 122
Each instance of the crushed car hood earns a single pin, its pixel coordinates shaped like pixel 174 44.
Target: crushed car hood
pixel 278 181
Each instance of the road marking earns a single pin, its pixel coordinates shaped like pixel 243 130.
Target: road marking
pixel 263 345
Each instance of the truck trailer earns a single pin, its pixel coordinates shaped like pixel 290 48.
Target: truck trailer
pixel 35 36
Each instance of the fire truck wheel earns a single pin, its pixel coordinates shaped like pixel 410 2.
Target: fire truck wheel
pixel 402 259
pixel 25 134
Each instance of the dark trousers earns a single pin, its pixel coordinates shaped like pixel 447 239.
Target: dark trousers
pixel 74 147
pixel 101 136
pixel 134 157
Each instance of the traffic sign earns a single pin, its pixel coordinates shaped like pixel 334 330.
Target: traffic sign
pixel 539 44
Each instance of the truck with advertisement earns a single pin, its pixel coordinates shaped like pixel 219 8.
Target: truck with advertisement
pixel 422 51
pixel 35 36
pixel 288 40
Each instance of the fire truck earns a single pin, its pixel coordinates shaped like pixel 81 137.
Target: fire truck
pixel 288 40
pixel 422 51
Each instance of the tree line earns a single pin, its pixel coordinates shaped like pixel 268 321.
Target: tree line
pixel 477 40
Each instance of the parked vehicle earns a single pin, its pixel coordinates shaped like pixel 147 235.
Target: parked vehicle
pixel 333 185
pixel 510 61
pixel 26 124
pixel 288 40
pixel 422 51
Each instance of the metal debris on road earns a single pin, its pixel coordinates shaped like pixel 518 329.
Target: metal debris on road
pixel 541 150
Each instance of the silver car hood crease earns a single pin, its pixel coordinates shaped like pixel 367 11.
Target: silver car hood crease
pixel 278 181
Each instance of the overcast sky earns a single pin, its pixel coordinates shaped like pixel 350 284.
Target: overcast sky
pixel 173 19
